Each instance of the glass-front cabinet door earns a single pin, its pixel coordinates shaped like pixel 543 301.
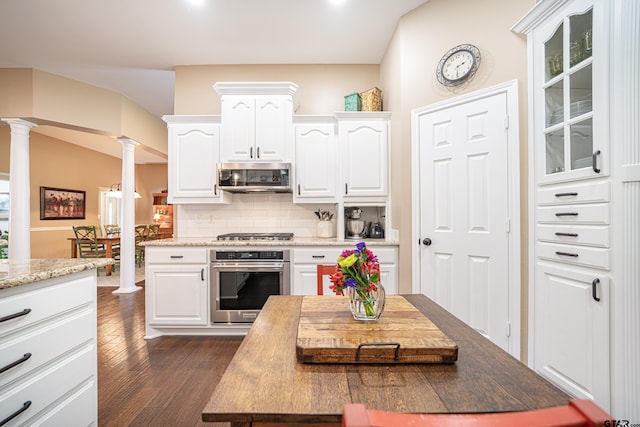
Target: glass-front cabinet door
pixel 569 146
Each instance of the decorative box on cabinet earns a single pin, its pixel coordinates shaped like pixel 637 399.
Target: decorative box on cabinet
pixel 50 352
pixel 364 144
pixel 194 150
pixel 257 121
pixel 316 159
pixel 571 213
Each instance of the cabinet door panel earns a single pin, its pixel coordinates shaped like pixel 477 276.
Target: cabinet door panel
pixel 364 145
pixel 177 295
pixel 194 152
pixel 238 128
pixel 572 331
pixel 273 127
pixel 316 162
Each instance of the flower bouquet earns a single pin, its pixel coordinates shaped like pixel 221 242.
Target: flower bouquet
pixel 358 272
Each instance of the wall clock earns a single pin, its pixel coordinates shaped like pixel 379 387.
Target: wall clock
pixel 458 65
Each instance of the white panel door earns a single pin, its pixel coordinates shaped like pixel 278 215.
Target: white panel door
pixel 464 213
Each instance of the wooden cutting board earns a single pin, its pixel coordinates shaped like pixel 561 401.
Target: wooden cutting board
pixel 327 333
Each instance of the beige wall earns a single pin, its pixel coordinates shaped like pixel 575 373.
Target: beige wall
pixel 408 70
pixel 46 98
pixel 59 164
pixel 321 87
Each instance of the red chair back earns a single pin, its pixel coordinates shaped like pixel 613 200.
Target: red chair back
pixel 577 413
pixel 324 270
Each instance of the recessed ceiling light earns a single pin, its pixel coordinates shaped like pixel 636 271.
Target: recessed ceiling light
pixel 336 2
pixel 196 2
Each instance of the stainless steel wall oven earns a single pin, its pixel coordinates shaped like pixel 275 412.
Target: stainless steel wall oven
pixel 243 280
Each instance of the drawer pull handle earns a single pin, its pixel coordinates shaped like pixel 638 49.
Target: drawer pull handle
pixel 23 359
pixel 594 161
pixel 177 256
pixel 567 214
pixel 566 194
pixel 567 234
pixel 317 256
pixel 567 254
pixel 14 315
pixel 346 188
pixel 25 406
pixel 594 289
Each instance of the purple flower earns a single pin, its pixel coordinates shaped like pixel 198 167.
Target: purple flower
pixel 350 283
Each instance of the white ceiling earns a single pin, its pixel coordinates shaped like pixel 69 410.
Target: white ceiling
pixel 132 46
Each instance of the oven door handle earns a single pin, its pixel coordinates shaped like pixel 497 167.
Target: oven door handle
pixel 249 268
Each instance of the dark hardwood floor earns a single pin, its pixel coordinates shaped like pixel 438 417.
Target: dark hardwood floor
pixel 165 381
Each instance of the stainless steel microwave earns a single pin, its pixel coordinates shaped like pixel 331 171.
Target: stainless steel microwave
pixel 246 177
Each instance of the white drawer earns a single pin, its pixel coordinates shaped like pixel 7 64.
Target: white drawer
pixel 573 254
pixel 320 255
pixel 174 255
pixel 45 302
pixel 574 214
pixel 328 255
pixel 49 341
pixel 585 192
pixel 590 235
pixel 50 388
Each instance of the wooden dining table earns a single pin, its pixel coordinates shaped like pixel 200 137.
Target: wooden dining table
pixel 267 384
pixel 107 241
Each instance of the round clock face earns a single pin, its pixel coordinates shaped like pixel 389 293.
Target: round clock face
pixel 458 65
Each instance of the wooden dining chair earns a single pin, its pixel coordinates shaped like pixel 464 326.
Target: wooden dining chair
pixel 141 236
pixel 324 270
pixel 153 231
pixel 87 242
pixel 577 413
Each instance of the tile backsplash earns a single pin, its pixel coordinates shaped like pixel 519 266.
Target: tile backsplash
pixel 258 212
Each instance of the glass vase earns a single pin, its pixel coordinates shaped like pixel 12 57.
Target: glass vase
pixel 366 305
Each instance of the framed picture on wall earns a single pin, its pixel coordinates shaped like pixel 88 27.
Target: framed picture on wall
pixel 59 203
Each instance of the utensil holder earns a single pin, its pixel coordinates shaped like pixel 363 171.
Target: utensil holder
pixel 325 229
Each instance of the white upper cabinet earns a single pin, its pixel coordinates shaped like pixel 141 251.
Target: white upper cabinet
pixel 257 121
pixel 316 160
pixel 364 142
pixel 194 150
pixel 569 109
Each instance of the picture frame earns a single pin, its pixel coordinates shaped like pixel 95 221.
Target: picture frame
pixel 61 203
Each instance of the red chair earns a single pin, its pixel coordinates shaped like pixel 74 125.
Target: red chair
pixel 324 270
pixel 577 413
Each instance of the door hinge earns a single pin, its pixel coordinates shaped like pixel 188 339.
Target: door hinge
pixel 508 226
pixel 508 329
pixel 506 122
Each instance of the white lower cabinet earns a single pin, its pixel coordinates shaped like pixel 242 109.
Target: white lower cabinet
pixel 572 329
pixel 305 260
pixel 48 352
pixel 177 291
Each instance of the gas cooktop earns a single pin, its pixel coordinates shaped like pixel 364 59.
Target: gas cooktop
pixel 256 236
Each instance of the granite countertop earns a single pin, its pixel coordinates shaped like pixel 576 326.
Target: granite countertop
pixel 297 241
pixel 16 273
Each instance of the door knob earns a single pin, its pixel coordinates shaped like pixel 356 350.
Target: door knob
pixel 426 241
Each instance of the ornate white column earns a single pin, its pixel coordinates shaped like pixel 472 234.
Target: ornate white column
pixel 19 185
pixel 127 232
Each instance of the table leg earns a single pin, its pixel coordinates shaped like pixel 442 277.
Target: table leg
pixel 109 255
pixel 74 249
